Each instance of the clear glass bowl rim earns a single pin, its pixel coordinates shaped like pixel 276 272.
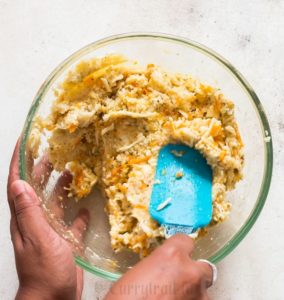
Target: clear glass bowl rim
pixel 266 180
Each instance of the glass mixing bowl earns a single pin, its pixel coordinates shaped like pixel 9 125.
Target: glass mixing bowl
pixel 174 54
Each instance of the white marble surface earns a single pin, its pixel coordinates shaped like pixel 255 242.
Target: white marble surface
pixel 37 35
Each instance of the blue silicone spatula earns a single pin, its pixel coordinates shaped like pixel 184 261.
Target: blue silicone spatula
pixel 181 199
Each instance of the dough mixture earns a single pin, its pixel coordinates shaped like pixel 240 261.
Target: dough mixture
pixel 109 120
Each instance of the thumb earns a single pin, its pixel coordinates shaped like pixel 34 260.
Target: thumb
pixel 29 215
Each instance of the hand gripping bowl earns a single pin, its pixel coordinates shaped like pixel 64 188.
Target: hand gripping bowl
pixel 174 54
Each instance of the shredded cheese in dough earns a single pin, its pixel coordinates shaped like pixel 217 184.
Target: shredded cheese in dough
pixel 127 147
pixel 164 204
pixel 121 114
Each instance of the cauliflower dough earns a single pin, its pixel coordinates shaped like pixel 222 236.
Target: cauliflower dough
pixel 108 123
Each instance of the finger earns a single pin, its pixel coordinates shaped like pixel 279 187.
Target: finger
pixel 207 271
pixel 15 234
pixel 80 224
pixel 80 281
pixel 31 222
pixel 180 241
pixel 59 195
pixel 13 175
pixel 42 171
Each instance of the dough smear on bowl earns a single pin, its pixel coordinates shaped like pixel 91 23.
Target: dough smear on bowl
pixel 108 122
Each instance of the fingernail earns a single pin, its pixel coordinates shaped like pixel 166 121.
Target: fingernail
pixel 18 187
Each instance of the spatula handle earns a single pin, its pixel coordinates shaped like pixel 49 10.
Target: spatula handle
pixel 172 229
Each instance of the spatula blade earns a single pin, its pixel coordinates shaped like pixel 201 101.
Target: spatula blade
pixel 182 192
